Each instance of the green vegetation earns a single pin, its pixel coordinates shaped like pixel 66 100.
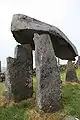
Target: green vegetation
pixel 26 109
pixel 1 88
pixel 71 99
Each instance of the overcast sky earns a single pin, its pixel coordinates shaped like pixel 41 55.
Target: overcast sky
pixel 64 14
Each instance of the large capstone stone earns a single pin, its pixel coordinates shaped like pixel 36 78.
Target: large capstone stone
pixel 47 75
pixel 18 83
pixel 23 28
pixel 71 75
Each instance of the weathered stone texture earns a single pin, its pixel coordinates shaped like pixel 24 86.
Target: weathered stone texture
pixel 0 66
pixel 71 75
pixel 47 74
pixel 23 28
pixel 78 62
pixel 70 118
pixel 18 82
pixel 0 77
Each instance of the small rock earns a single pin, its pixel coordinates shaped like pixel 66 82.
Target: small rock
pixel 70 118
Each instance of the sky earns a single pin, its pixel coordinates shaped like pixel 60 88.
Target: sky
pixel 64 14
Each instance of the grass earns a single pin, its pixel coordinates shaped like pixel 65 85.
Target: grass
pixel 71 99
pixel 1 88
pixel 16 111
pixel 26 109
pixel 12 113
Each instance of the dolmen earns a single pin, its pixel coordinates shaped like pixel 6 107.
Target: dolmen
pixel 48 42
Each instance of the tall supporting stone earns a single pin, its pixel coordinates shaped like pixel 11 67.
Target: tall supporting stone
pixel 47 74
pixel 18 81
pixel 0 66
pixel 71 75
pixel 0 72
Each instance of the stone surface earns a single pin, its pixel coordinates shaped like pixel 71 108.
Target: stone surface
pixel 71 75
pixel 0 66
pixel 47 75
pixel 78 62
pixel 18 81
pixel 0 77
pixel 62 67
pixel 70 118
pixel 24 27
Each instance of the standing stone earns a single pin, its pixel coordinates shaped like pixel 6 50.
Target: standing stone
pixel 18 81
pixel 71 72
pixel 47 74
pixel 0 66
pixel 0 72
pixel 78 62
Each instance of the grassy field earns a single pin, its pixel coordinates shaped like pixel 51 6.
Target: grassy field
pixel 26 110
